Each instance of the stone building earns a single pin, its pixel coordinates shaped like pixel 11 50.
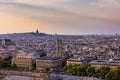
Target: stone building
pixel 53 64
pixel 25 60
pixel 4 55
pixel 6 42
pixel 113 64
pixel 27 55
pixel 76 61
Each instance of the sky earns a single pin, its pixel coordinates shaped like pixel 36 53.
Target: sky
pixel 60 16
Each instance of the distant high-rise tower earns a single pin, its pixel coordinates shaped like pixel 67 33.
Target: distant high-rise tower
pixel 59 48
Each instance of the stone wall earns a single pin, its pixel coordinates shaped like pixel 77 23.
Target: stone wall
pixel 42 76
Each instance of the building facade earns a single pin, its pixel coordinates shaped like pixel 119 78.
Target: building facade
pixel 25 60
pixel 76 61
pixel 100 63
pixel 53 64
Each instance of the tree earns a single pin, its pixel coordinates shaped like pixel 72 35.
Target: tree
pixel 1 63
pixel 31 68
pixel 81 70
pixel 47 69
pixel 13 65
pixel 66 58
pixel 112 75
pixel 73 70
pixel 43 54
pixel 65 67
pixel 118 69
pixel 90 71
pixel 85 68
pixel 68 68
pixel 63 63
pixel 104 70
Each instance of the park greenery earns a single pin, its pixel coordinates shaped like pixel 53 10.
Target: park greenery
pixel 5 63
pixel 89 71
pixel 64 61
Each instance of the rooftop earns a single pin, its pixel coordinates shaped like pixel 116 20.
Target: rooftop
pixel 18 78
pixel 49 58
pixel 105 62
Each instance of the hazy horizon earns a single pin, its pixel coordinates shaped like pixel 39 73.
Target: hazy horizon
pixel 57 33
pixel 70 17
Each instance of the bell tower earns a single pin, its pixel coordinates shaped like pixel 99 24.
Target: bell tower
pixel 59 48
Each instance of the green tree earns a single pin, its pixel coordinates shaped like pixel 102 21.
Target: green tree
pixel 104 70
pixel 68 68
pixel 13 65
pixel 1 63
pixel 43 54
pixel 64 63
pixel 112 75
pixel 85 68
pixel 118 69
pixel 46 69
pixel 90 71
pixel 7 62
pixel 65 67
pixel 81 70
pixel 73 70
pixel 31 68
pixel 66 58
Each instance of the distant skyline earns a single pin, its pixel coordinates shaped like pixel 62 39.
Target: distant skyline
pixel 72 17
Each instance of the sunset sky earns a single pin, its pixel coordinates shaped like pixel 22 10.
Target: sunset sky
pixel 60 16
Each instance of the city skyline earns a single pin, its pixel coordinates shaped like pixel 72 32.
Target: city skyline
pixel 60 16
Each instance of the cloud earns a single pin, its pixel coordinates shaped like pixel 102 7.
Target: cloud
pixel 59 15
pixel 107 3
